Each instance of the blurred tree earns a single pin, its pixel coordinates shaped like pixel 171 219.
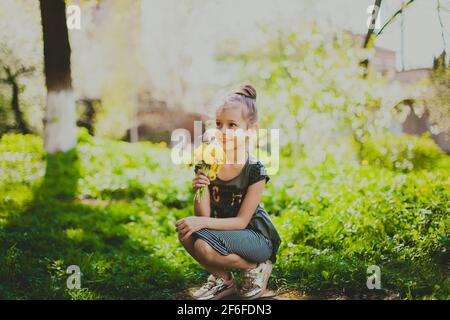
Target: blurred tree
pixel 4 116
pixel 371 35
pixel 88 116
pixel 20 49
pixel 314 90
pixel 375 12
pixel 438 99
pixel 122 59
pixel 12 79
pixel 60 115
pixel 392 18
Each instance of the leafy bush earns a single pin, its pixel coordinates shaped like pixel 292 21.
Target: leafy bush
pixel 335 226
pixel 402 152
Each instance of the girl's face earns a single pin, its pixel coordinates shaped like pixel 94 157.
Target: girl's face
pixel 232 127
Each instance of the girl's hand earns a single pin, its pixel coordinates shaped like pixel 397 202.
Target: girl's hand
pixel 189 225
pixel 200 180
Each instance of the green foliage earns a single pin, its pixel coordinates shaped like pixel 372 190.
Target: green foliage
pixel 115 206
pixel 402 152
pixel 310 77
pixel 438 95
pixel 336 221
pixel 108 207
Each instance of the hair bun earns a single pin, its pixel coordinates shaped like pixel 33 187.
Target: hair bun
pixel 247 91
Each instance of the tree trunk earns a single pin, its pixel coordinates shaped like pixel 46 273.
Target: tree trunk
pixel 87 119
pixel 18 115
pixel 60 115
pixel 377 5
pixel 12 79
pixel 375 12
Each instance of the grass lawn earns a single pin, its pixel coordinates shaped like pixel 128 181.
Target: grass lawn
pixel 110 208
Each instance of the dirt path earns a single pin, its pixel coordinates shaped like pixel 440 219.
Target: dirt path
pixel 296 295
pixel 268 295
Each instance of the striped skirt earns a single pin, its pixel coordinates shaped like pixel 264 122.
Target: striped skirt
pixel 247 243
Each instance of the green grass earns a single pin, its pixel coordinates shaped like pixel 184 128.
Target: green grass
pixel 113 212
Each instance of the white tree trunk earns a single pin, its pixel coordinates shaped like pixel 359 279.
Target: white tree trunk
pixel 60 121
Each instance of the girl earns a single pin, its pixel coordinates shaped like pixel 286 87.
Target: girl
pixel 230 229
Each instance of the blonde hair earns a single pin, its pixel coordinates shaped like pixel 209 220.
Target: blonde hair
pixel 245 95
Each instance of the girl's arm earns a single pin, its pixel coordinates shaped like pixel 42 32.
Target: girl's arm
pixel 189 225
pixel 248 207
pixel 202 208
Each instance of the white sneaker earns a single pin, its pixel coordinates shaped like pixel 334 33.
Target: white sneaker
pixel 215 288
pixel 205 288
pixel 255 281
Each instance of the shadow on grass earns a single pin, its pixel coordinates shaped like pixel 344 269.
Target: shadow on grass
pixel 55 230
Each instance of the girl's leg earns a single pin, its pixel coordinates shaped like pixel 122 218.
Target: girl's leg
pixel 189 244
pixel 207 255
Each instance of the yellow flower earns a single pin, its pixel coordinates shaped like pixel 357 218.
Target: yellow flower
pixel 212 176
pixel 210 158
pixel 198 153
pixel 209 153
pixel 214 154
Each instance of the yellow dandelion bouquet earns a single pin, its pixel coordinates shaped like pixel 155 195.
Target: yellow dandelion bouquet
pixel 209 157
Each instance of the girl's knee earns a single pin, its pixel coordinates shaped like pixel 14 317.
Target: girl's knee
pixel 201 246
pixel 203 250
